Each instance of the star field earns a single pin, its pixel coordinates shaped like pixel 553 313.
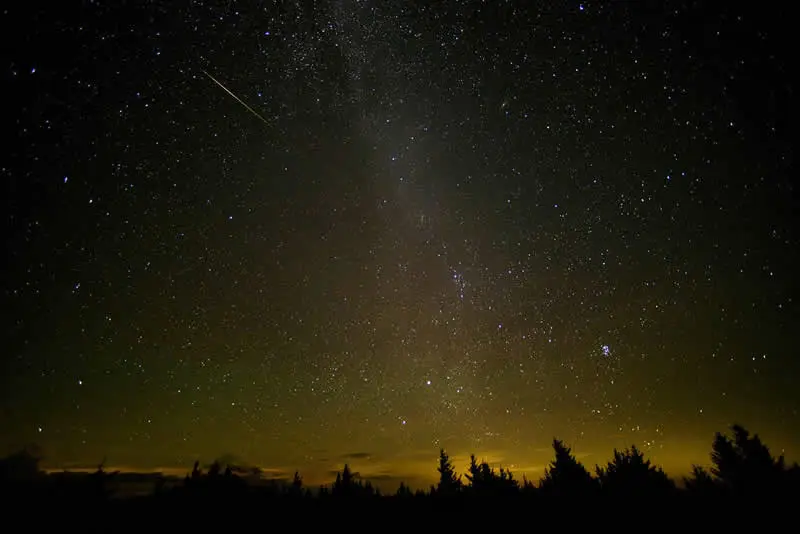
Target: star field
pixel 361 231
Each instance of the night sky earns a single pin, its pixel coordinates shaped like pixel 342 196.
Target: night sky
pixel 357 232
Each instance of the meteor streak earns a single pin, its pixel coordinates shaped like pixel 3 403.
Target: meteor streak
pixel 251 110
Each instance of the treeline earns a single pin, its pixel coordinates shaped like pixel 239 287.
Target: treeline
pixel 742 466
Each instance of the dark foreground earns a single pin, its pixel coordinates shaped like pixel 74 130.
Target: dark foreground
pixel 173 513
pixel 746 488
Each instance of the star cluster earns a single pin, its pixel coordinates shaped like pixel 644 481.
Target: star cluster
pixel 466 225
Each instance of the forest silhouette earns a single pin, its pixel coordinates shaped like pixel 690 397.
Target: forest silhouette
pixel 743 470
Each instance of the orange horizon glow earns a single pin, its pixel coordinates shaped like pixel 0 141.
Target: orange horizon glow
pixel 420 473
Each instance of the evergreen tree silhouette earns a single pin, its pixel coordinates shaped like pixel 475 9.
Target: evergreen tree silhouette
pixel 449 482
pixel 403 491
pixel 345 485
pixel 700 483
pixel 21 478
pixel 744 465
pixel 507 478
pixel 566 475
pixel 792 480
pixel 485 481
pixel 196 471
pixel 99 483
pixel 473 475
pixel 347 476
pixel 528 488
pixel 21 466
pixel 214 470
pixel 296 488
pixel 630 474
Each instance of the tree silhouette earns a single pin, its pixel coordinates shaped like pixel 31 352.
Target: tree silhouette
pixel 21 479
pixel 214 470
pixel 628 474
pixel 701 483
pixel 99 483
pixel 566 475
pixel 741 466
pixel 196 471
pixel 346 485
pixel 449 482
pixel 527 487
pixel 296 488
pixel 343 486
pixel 347 476
pixel 485 481
pixel 403 491
pixel 744 465
pixel 21 466
pixel 792 479
pixel 474 473
pixel 368 489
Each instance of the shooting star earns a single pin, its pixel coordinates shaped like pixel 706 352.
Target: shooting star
pixel 251 110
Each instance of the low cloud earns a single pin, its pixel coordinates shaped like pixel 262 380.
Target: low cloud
pixel 356 456
pixel 334 472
